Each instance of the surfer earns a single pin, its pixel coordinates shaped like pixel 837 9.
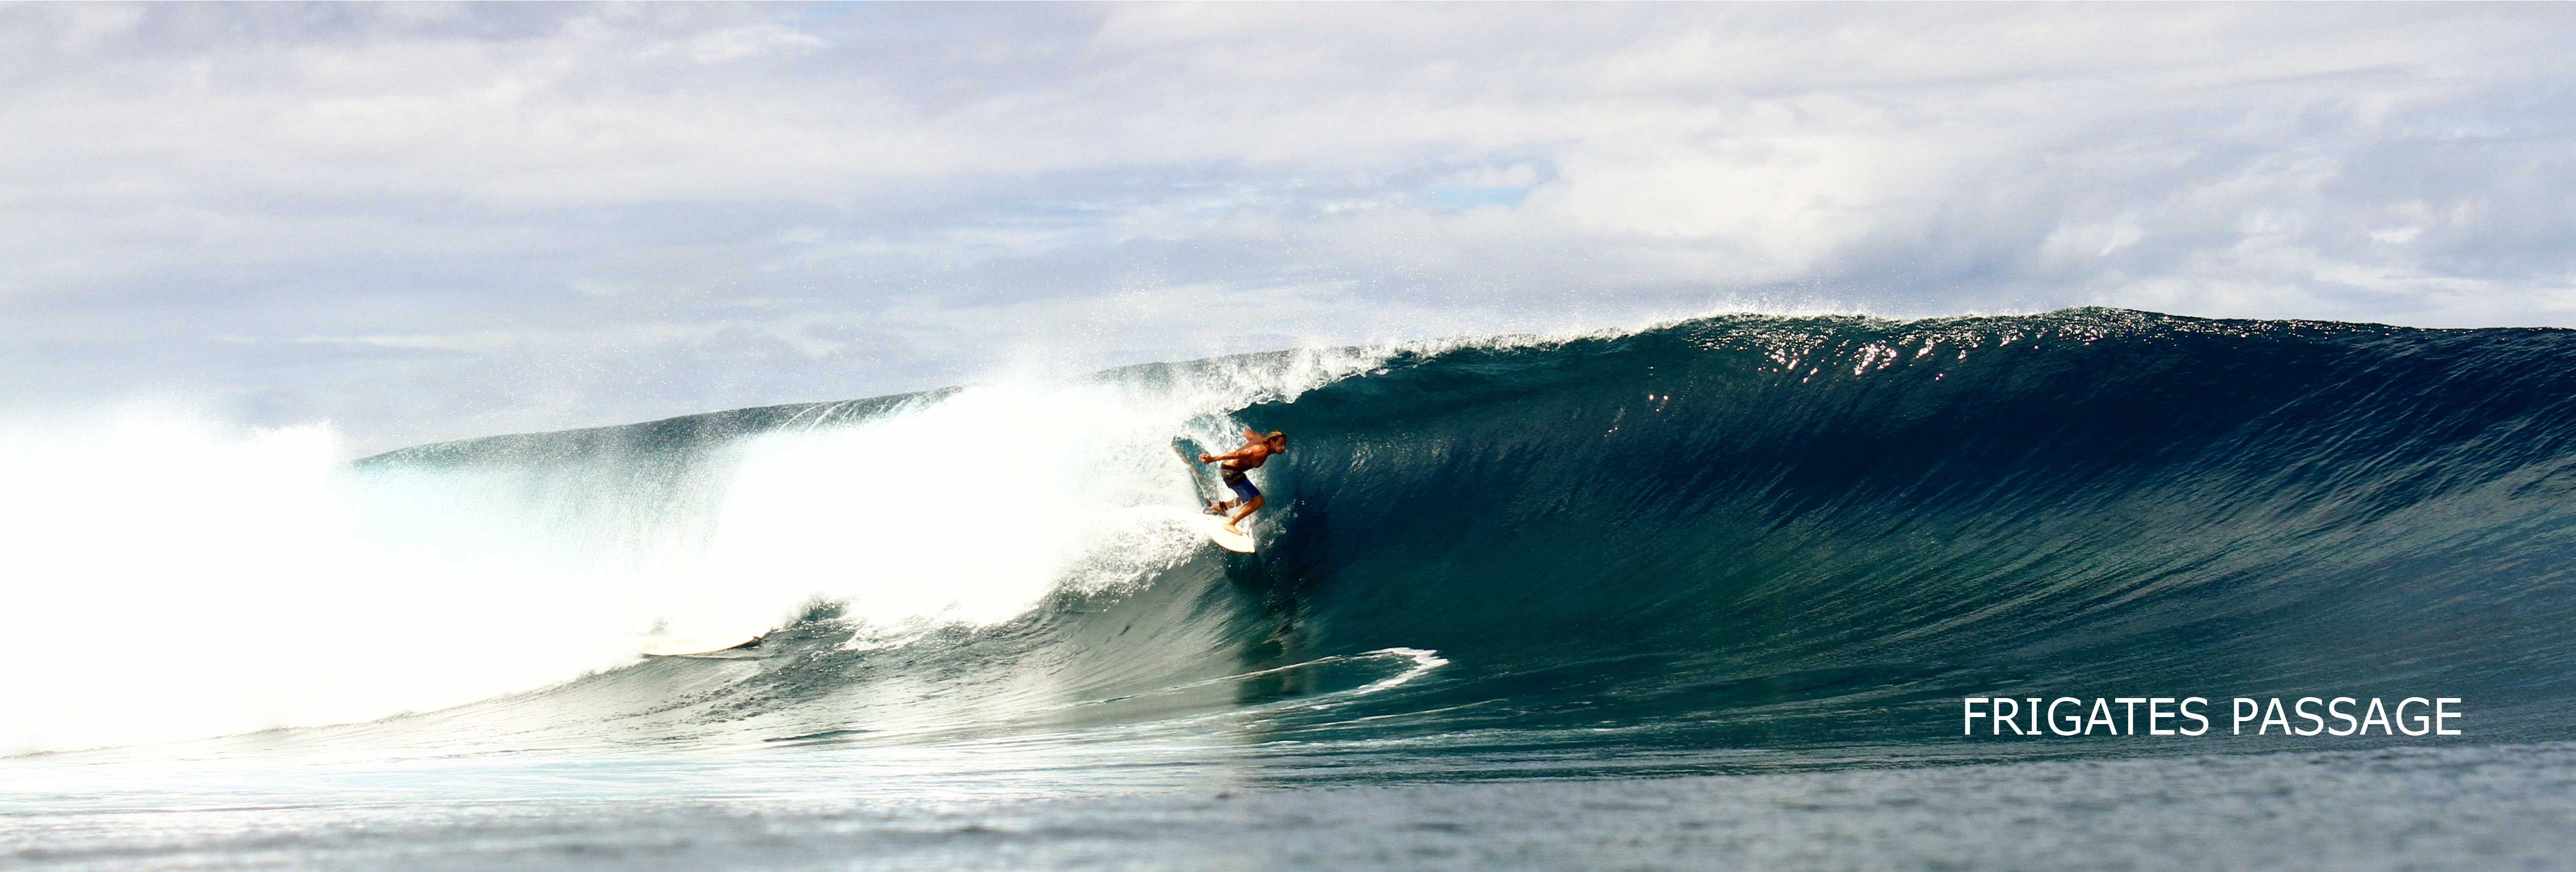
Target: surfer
pixel 1256 449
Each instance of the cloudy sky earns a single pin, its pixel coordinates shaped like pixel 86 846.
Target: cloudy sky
pixel 427 221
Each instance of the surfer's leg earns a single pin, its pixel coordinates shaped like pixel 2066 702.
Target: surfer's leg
pixel 1248 497
pixel 1249 507
pixel 1244 495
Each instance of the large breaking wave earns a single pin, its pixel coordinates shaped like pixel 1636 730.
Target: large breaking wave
pixel 1733 533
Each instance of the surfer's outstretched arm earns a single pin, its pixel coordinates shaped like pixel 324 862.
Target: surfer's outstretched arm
pixel 1255 446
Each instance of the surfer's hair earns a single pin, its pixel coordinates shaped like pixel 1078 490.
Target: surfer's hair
pixel 1279 436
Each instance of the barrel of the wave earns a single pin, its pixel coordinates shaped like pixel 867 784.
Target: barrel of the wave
pixel 1790 530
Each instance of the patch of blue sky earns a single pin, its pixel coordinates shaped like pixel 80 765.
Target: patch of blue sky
pixel 1480 198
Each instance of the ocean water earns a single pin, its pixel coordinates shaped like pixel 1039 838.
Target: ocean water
pixel 1707 595
pixel 2494 807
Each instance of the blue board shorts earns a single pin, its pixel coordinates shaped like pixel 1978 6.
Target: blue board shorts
pixel 1242 484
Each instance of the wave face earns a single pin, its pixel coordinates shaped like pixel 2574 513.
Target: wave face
pixel 1758 531
pixel 1737 533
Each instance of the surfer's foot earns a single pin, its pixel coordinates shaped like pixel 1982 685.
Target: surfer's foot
pixel 1231 528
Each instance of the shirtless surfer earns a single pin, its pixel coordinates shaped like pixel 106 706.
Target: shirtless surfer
pixel 1256 449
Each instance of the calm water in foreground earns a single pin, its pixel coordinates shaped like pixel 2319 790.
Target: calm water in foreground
pixel 2496 807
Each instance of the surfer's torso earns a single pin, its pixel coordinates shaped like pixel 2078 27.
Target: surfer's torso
pixel 1261 452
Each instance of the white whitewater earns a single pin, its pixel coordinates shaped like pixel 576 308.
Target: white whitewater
pixel 173 578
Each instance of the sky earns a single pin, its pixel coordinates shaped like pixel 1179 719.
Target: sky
pixel 428 221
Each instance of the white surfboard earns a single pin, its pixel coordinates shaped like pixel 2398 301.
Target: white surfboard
pixel 1214 528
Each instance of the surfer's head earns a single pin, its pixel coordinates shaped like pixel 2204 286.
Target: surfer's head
pixel 1278 439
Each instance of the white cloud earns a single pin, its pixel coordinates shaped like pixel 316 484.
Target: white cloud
pixel 672 208
pixel 737 43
